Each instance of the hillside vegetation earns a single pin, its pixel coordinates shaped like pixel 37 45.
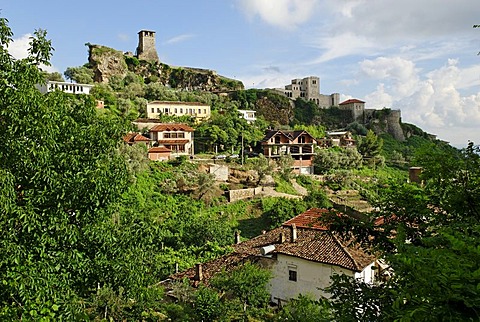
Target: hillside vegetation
pixel 90 226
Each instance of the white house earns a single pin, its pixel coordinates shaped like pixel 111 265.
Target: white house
pixel 302 254
pixel 72 88
pixel 248 115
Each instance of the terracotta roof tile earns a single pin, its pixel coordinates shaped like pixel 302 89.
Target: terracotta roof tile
pixel 158 149
pixel 350 101
pixel 135 137
pixel 314 242
pixel 171 127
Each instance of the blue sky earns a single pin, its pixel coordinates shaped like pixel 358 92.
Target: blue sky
pixel 417 56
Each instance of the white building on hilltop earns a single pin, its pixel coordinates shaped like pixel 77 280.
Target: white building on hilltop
pixel 66 87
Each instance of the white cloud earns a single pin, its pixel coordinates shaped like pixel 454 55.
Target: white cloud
pixel 18 48
pixel 434 103
pixel 379 98
pixel 342 45
pixel 402 73
pixel 178 39
pixel 280 13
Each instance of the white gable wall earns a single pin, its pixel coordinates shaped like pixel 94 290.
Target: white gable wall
pixel 312 277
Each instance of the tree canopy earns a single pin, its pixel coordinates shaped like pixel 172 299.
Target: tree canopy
pixel 59 174
pixel 429 238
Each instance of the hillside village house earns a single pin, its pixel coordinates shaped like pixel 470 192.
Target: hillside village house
pixel 66 87
pixel 299 144
pixel 302 255
pixel 197 110
pixel 340 138
pixel 176 137
pixel 165 140
pixel 248 115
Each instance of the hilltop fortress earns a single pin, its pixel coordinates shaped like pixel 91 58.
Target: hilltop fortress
pixel 384 120
pixel 107 62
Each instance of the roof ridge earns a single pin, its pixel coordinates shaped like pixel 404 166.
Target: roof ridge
pixel 344 249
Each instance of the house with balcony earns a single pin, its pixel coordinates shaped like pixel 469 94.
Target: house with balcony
pixel 199 111
pixel 176 137
pixel 299 144
pixel 341 138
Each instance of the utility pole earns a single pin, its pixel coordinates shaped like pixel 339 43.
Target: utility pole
pixel 242 148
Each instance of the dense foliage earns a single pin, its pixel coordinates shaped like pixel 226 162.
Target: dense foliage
pixel 428 236
pixel 60 173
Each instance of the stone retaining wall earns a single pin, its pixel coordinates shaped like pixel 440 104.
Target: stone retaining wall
pixel 240 194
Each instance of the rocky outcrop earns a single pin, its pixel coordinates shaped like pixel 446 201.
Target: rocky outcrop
pixel 106 62
pixel 385 121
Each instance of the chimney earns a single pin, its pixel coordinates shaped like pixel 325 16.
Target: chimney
pixel 198 272
pixel 237 236
pixel 294 233
pixel 282 237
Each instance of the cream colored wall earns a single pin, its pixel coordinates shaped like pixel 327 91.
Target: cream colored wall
pixel 312 277
pixel 199 111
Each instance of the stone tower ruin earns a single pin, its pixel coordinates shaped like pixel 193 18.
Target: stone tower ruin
pixel 146 46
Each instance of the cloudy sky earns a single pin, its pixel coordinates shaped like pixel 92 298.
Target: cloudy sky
pixel 417 56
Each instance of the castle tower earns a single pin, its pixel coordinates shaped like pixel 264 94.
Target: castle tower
pixel 357 107
pixel 146 46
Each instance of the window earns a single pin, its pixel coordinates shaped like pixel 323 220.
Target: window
pixel 181 135
pixel 204 111
pixel 153 110
pixel 292 275
pixel 176 110
pixel 181 110
pixel 158 109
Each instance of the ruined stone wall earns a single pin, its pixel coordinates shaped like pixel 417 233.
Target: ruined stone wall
pixel 385 121
pixel 241 194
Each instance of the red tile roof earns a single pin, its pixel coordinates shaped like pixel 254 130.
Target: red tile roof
pixel 159 149
pixel 135 137
pixel 350 101
pixel 314 243
pixel 308 219
pixel 171 127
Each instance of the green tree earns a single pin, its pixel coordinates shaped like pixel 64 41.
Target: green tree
pixel 262 165
pixel 207 304
pixel 429 237
pixel 370 146
pixel 60 173
pixel 305 309
pixel 81 74
pixel 279 210
pixel 285 163
pixel 247 283
pixel 55 76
